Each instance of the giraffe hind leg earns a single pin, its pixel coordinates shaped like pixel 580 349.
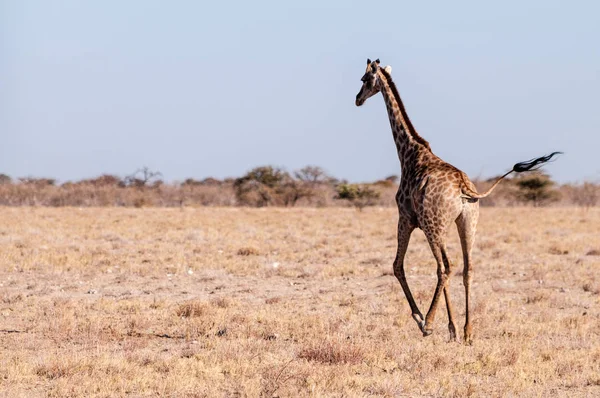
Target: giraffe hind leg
pixel 444 271
pixel 467 228
pixel 451 324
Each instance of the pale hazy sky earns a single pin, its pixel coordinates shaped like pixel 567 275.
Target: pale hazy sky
pixel 198 89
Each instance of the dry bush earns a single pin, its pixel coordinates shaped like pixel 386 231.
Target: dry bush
pixel 222 302
pixel 585 195
pixel 202 194
pixel 94 194
pixel 248 251
pixel 102 181
pixel 193 309
pixel 38 182
pixel 273 300
pixel 271 186
pixel 143 177
pixel 359 196
pixel 262 186
pixel 536 188
pixel 591 288
pixel 5 179
pixel 333 352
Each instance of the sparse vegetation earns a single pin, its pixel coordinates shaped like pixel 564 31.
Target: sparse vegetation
pixel 271 186
pixel 585 195
pixel 536 188
pixel 248 251
pixel 360 196
pixel 5 179
pixel 143 177
pixel 267 186
pixel 333 352
pixel 102 302
pixel 261 186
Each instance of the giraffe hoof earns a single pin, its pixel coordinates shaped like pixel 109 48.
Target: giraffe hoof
pixel 420 322
pixel 427 332
pixel 419 319
pixel 452 331
pixel 468 335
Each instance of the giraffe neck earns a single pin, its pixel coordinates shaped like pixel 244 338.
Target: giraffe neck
pixel 408 142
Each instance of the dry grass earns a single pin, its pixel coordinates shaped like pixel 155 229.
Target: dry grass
pixel 289 302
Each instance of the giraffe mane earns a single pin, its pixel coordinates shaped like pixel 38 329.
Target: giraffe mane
pixel 412 131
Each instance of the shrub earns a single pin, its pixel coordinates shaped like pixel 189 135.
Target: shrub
pixel 394 179
pixel 585 195
pixel 105 180
pixel 143 177
pixel 248 251
pixel 37 182
pixel 332 352
pixel 268 176
pixel 268 186
pixel 359 195
pixel 312 175
pixel 5 179
pixel 250 192
pixel 536 188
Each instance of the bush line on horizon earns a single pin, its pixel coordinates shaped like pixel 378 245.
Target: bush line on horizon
pixel 268 186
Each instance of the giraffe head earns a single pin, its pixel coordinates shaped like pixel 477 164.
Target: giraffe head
pixel 371 81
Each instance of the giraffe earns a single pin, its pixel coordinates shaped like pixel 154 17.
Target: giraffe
pixel 431 196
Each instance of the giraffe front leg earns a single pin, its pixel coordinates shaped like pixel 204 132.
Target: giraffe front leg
pixel 404 231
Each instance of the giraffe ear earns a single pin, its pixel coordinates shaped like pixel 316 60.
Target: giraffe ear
pixel 388 69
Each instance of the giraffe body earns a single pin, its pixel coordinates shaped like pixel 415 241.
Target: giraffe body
pixel 431 196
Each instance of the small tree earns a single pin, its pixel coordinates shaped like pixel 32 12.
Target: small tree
pixel 104 180
pixel 190 182
pixel 143 177
pixel 292 190
pixel 260 186
pixel 392 178
pixel 536 188
pixel 359 195
pixel 5 179
pixel 211 181
pixel 312 174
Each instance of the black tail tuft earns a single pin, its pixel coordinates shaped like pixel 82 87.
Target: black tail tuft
pixel 530 165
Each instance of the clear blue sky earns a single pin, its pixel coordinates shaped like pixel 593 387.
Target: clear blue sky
pixel 198 89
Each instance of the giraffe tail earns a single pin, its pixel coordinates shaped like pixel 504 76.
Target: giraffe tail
pixel 528 165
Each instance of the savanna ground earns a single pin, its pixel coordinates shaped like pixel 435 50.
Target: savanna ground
pixel 206 302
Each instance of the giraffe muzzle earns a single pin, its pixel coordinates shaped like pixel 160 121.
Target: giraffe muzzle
pixel 359 101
